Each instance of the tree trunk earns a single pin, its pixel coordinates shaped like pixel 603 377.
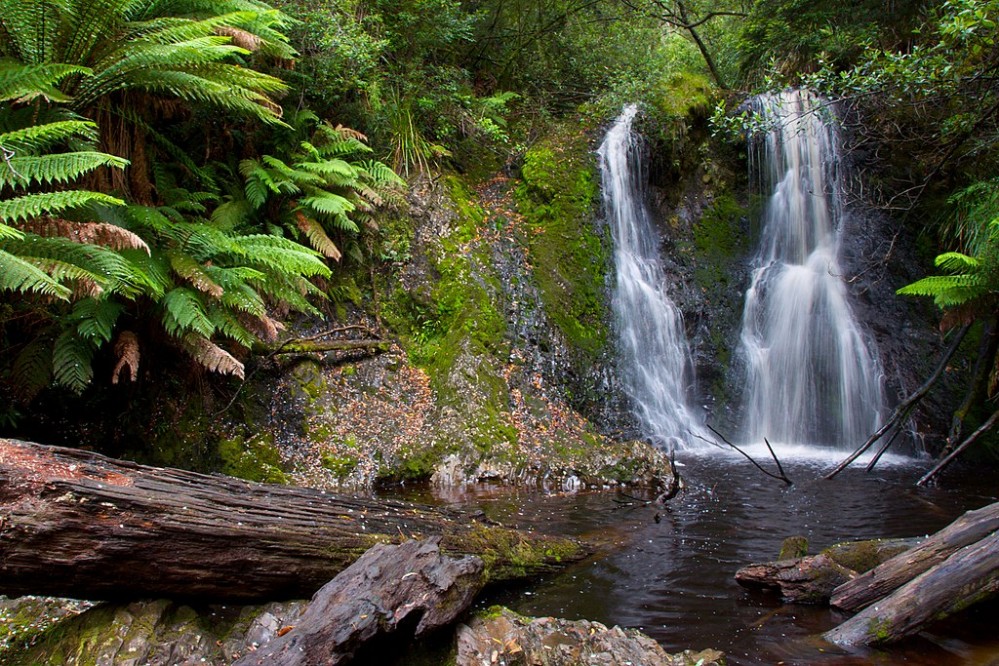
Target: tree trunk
pixel 389 589
pixel 968 576
pixel 883 579
pixel 78 524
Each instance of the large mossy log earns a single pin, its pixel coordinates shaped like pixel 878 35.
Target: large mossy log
pixel 78 524
pixel 864 590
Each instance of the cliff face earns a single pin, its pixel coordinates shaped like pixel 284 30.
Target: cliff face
pixel 495 298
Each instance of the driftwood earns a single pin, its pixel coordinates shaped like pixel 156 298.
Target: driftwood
pixel 811 579
pixel 967 577
pixel 388 589
pixel 884 579
pixel 78 524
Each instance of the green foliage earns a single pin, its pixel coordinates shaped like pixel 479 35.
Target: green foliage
pixel 971 284
pixel 558 199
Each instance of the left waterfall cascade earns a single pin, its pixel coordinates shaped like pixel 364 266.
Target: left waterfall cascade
pixel 654 361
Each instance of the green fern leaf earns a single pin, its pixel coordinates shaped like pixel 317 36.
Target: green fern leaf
pixel 71 362
pixel 55 168
pixel 50 203
pixel 184 312
pixel 21 276
pixel 32 368
pixel 96 318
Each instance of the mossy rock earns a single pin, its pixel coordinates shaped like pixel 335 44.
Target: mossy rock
pixel 254 459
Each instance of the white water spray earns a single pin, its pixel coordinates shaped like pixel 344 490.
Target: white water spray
pixel 811 376
pixel 654 361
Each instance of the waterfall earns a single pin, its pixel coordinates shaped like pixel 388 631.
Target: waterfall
pixel 811 376
pixel 654 359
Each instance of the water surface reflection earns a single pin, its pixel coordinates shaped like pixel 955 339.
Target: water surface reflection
pixel 673 578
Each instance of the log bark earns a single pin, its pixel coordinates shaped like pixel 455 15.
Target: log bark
pixel 864 590
pixel 77 524
pixel 388 589
pixel 968 576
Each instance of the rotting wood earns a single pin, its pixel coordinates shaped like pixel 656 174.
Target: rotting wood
pixel 386 590
pixel 78 524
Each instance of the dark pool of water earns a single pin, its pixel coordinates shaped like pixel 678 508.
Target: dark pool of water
pixel 673 578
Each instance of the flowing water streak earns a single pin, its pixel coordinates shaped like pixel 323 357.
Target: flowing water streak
pixel 654 361
pixel 812 379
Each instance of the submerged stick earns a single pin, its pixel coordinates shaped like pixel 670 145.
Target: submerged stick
pixel 779 477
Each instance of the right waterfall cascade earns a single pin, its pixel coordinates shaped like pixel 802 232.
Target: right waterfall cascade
pixel 812 376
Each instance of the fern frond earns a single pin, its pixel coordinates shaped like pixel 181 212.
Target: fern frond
pixel 32 368
pixel 183 312
pixel 194 273
pixel 283 256
pixel 54 168
pixel 947 291
pixel 41 137
pixel 328 203
pixel 955 262
pixel 227 324
pixel 21 276
pixel 50 203
pixel 10 232
pixel 71 362
pixel 317 236
pixel 94 233
pixel 127 353
pixel 95 319
pixel 211 356
pixel 24 82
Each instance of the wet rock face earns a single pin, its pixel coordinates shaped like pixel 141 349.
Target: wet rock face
pixel 482 386
pixel 503 638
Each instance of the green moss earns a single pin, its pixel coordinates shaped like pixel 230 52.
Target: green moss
pixel 340 466
pixel 719 240
pixel 508 556
pixel 558 197
pixel 683 96
pixel 256 459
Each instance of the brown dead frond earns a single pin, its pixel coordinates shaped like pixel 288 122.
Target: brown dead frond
pixel 126 350
pixel 241 38
pixel 263 327
pixel 212 357
pixel 317 236
pixel 349 133
pixel 92 233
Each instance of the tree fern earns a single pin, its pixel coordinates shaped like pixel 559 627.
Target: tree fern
pixel 59 168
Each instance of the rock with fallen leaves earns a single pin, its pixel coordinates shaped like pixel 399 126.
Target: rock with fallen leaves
pixel 500 637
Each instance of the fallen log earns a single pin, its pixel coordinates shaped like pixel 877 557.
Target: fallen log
pixel 880 581
pixel 386 589
pixel 78 524
pixel 968 576
pixel 811 579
